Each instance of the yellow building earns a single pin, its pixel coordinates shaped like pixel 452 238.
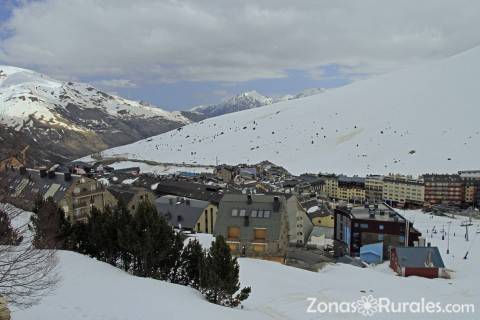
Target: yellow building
pixel 400 190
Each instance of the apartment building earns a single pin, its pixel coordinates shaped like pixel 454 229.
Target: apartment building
pixel 444 188
pixel 471 180
pixel 351 189
pixel 330 186
pixel 374 188
pixel 403 191
pixel 254 225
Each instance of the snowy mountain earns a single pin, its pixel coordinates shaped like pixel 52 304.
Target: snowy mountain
pixel 60 121
pixel 415 120
pixel 248 100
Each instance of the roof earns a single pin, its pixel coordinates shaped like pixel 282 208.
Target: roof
pixel 179 210
pixel 191 190
pixel 419 257
pixel 380 212
pixel 124 193
pixel 25 187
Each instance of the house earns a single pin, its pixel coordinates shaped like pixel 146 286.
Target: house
pixel 444 188
pixel 248 173
pixel 187 214
pixel 372 253
pixel 417 261
pixel 131 196
pixel 226 173
pixel 355 227
pixel 75 194
pixel 254 225
pixel 319 213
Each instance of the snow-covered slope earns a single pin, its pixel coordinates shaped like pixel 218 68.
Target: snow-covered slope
pixel 39 111
pixel 416 120
pixel 93 290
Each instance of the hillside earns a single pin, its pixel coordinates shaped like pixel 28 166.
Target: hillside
pixel 415 120
pixel 61 121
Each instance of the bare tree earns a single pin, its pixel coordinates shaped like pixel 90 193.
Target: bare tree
pixel 26 273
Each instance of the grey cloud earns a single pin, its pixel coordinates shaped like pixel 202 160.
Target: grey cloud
pixel 167 41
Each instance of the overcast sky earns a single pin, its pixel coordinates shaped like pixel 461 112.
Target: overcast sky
pixel 178 54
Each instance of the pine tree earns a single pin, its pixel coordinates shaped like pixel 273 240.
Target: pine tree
pixel 219 279
pixel 51 228
pixel 190 264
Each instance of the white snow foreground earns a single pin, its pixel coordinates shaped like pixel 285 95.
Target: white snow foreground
pixel 95 290
pixel 417 120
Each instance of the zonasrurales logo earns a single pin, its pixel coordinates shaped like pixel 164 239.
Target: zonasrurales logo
pixel 367 305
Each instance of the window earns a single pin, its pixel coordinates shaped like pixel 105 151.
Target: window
pixel 233 246
pixel 260 234
pixel 233 233
pixel 234 212
pixel 254 213
pixel 259 248
pixel 380 227
pixel 380 237
pixel 266 214
pixel 260 214
pixel 243 213
pixel 364 225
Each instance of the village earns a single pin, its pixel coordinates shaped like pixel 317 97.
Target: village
pixel 265 212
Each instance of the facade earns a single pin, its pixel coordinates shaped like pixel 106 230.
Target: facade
pixel 374 188
pixel 444 188
pixel 471 180
pixel 351 189
pixel 369 224
pixel 131 196
pixel 403 191
pixel 417 261
pixel 188 214
pixel 226 173
pixel 299 224
pixel 76 195
pixel 254 225
pixel 330 185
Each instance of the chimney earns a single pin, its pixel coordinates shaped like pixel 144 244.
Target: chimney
pixel 23 171
pixel 249 199
pixel 51 174
pixel 276 204
pixel 170 201
pixel 372 214
pixel 43 173
pixel 67 176
pixel 187 202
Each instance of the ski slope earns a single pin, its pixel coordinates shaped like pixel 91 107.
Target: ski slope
pixel 92 290
pixel 416 120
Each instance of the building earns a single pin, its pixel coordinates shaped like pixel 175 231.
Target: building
pixel 444 188
pixel 131 196
pixel 226 173
pixel 351 189
pixel 76 195
pixel 330 185
pixel 187 214
pixel 299 224
pixel 417 261
pixel 403 191
pixel 471 180
pixel 358 226
pixel 374 188
pixel 254 225
pixel 192 190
